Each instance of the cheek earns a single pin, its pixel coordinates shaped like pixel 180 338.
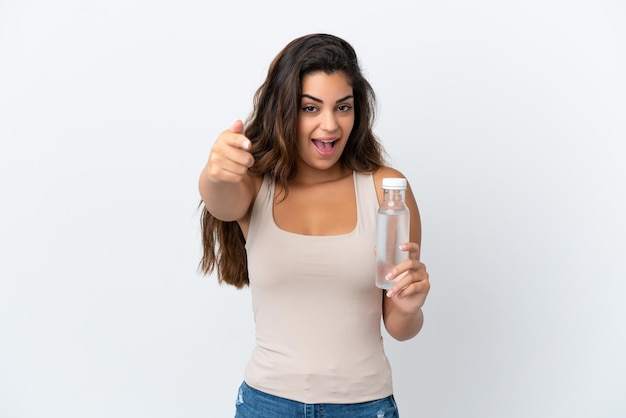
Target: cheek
pixel 302 133
pixel 348 126
pixel 303 128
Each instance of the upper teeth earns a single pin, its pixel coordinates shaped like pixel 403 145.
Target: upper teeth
pixel 328 141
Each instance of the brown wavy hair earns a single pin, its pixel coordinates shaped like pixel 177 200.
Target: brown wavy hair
pixel 272 130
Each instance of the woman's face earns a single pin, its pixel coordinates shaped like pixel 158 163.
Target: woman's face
pixel 325 119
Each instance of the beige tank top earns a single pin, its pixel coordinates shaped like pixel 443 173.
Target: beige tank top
pixel 316 308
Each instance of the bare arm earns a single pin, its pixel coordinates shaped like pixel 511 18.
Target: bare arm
pixel 225 185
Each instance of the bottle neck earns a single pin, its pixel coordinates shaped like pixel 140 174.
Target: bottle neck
pixel 396 195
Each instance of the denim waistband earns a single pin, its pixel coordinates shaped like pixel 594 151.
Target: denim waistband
pixel 253 403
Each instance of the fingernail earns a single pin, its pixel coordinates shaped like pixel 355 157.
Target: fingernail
pixel 388 276
pixel 389 293
pixel 246 144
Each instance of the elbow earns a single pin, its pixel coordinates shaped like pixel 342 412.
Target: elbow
pixel 402 335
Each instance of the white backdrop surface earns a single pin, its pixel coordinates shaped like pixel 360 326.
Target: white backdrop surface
pixel 507 117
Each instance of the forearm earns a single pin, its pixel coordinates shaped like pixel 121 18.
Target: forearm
pixel 225 201
pixel 403 326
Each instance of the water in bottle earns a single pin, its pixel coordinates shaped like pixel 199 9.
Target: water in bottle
pixel 392 229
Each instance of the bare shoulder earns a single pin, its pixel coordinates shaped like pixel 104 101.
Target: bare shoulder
pixel 384 172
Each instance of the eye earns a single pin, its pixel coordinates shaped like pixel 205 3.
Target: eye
pixel 309 109
pixel 344 108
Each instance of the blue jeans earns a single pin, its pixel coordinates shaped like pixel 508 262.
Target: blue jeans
pixel 252 403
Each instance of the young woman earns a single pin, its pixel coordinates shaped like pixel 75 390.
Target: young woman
pixel 290 204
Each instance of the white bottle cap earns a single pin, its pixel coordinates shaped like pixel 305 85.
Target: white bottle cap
pixel 394 183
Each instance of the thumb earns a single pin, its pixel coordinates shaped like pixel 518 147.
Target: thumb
pixel 237 127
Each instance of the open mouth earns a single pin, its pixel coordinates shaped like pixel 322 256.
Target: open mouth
pixel 325 145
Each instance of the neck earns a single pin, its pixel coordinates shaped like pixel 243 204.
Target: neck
pixel 308 175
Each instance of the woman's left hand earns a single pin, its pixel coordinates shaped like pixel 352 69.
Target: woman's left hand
pixel 409 293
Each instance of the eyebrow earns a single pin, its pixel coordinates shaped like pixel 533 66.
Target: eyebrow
pixel 315 99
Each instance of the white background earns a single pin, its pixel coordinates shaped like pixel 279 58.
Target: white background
pixel 508 118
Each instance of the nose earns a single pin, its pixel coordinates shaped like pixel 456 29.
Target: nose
pixel 329 121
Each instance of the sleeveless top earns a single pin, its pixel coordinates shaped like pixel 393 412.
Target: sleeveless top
pixel 316 309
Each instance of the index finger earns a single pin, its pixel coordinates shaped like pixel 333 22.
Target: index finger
pixel 413 249
pixel 236 138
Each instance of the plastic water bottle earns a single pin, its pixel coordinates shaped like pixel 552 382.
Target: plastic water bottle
pixel 392 230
